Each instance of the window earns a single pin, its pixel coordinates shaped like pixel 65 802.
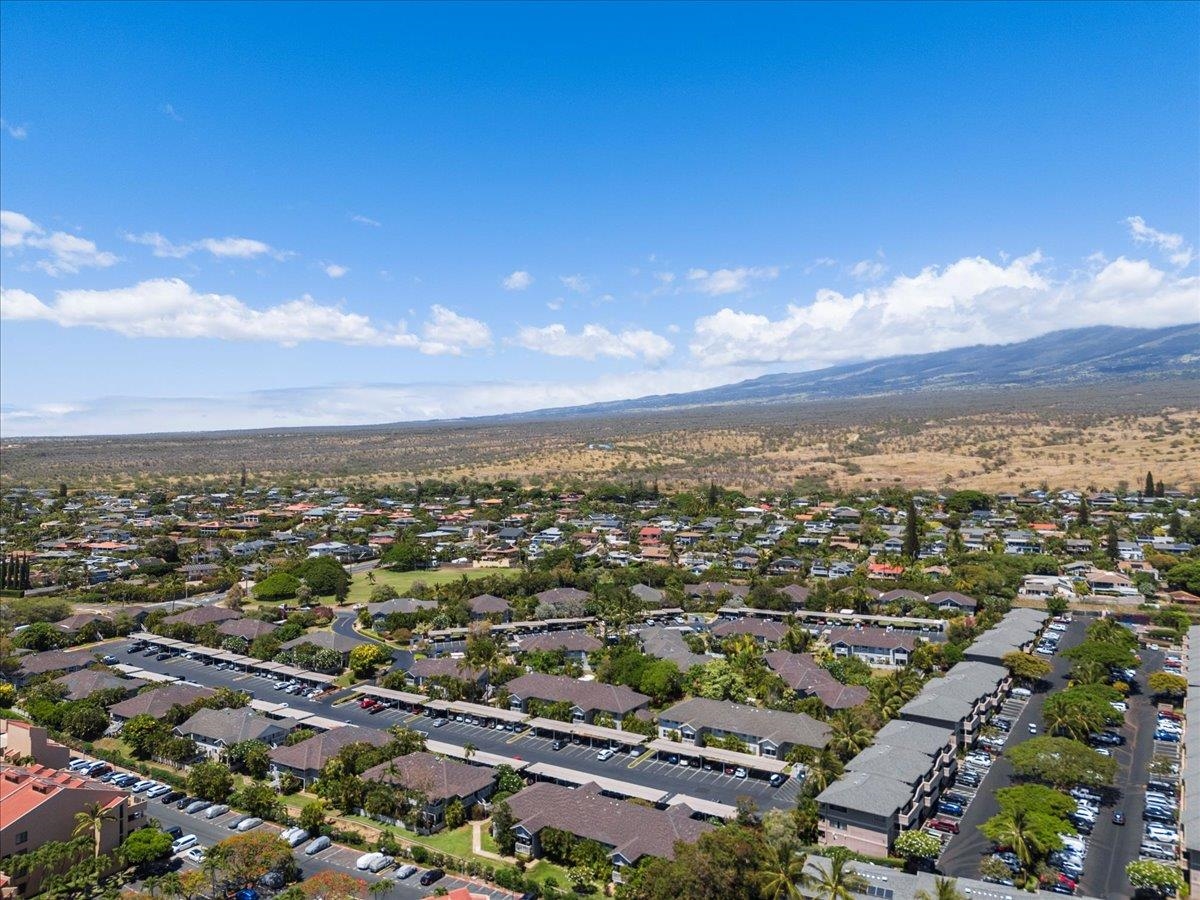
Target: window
pixel 22 837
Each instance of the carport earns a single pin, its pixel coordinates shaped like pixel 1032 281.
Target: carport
pixel 479 757
pixel 748 761
pixel 403 699
pixel 594 733
pixel 559 775
pixel 705 807
pixel 477 710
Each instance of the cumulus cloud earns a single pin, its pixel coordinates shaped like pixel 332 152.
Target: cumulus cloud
pixel 868 269
pixel 65 254
pixel 971 301
pixel 171 308
pixel 1179 253
pixel 333 270
pixel 517 281
pixel 576 283
pixel 595 340
pixel 18 132
pixel 341 404
pixel 222 248
pixel 729 281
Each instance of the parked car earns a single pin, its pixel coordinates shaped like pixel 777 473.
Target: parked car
pixel 406 871
pixel 159 790
pixel 1118 817
pixel 431 876
pixel 944 825
pixel 605 754
pixel 174 831
pixel 196 855
pixel 950 808
pixel 364 862
pixel 249 823
pixel 317 846
pixel 197 806
pixel 558 744
pixel 213 811
pixel 777 779
pixel 183 843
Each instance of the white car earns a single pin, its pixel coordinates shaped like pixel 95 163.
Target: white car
pixel 364 862
pixel 196 855
pixel 317 846
pixel 606 753
pixel 155 792
pixel 142 786
pixel 407 871
pixel 739 772
pixel 188 840
pixel 249 824
pixel 980 759
pixel 1033 728
pixel 213 811
pixel 1119 706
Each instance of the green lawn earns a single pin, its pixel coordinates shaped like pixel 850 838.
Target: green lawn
pixel 360 587
pixel 455 843
pixel 543 869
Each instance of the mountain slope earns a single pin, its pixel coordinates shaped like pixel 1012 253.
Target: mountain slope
pixel 1076 356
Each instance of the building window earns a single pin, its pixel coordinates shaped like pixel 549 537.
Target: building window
pixel 22 837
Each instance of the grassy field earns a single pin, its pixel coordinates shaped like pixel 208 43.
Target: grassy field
pixel 360 587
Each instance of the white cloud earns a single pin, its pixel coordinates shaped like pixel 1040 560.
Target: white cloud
pixel 333 270
pixel 18 132
pixel 821 262
pixel 67 253
pixel 868 269
pixel 171 308
pixel 971 301
pixel 364 220
pixel 664 278
pixel 1179 253
pixel 554 304
pixel 169 111
pixel 517 281
pixel 342 404
pixel 222 248
pixel 595 340
pixel 576 283
pixel 729 281
pixel 447 332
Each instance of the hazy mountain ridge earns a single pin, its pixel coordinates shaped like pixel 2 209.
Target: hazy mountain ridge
pixel 1074 356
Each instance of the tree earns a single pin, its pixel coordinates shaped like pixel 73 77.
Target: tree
pixel 277 586
pixel 210 781
pixel 836 881
pixel 1111 546
pixel 89 822
pixel 1166 684
pixel 381 593
pixel 251 757
pixel 312 816
pixel 1146 874
pixel 145 845
pixel 1085 513
pixel 1026 666
pixel 503 821
pixel 330 884
pixel 1148 490
pixel 917 844
pixel 784 875
pixel 143 733
pixel 1057 605
pixel 381 888
pixel 85 722
pixel 245 858
pixel 256 799
pixel 849 736
pixel 943 889
pixel 455 814
pixel 323 574
pixel 912 535
pixel 365 657
pixel 1016 830
pixel 1061 762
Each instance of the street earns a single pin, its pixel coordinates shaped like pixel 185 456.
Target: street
pixel 1110 846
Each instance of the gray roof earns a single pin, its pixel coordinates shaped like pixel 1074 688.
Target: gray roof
pixel 899 763
pixel 433 776
pixel 231 726
pixel 774 725
pixel 86 682
pixel 587 695
pixel 570 641
pixel 311 755
pixel 326 639
pixel 651 596
pixel 952 697
pixel 399 605
pixel 867 792
pixel 928 739
pixel 668 643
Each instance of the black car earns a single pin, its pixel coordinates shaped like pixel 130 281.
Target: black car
pixel 175 832
pixel 171 797
pixel 558 744
pixel 431 876
pixel 186 801
pixel 163 656
pixel 1118 817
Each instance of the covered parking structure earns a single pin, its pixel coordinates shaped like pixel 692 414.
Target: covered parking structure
pixel 749 761
pixel 476 757
pixel 246 663
pixel 399 699
pixel 489 714
pixel 705 807
pixel 560 775
pixel 530 626
pixel 594 734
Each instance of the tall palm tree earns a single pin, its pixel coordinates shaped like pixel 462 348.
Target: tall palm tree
pixel 943 889
pixel 784 875
pixel 824 770
pixel 1013 829
pixel 91 822
pixel 837 882
pixel 848 737
pixel 383 887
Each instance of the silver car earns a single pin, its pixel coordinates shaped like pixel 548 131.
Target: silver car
pixel 317 846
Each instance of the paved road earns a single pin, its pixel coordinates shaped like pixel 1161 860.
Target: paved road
pixel 1110 846
pixel 343 624
pixel 651 773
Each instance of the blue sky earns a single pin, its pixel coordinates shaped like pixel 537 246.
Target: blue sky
pixel 251 215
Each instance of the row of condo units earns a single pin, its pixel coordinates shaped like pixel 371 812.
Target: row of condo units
pixel 894 784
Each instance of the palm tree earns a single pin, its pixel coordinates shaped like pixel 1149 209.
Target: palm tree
pixel 383 887
pixel 943 889
pixel 886 698
pixel 784 875
pixel 838 882
pixel 91 822
pixel 824 770
pixel 849 737
pixel 1013 829
pixel 469 750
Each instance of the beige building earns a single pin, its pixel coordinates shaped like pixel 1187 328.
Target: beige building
pixel 21 741
pixel 40 804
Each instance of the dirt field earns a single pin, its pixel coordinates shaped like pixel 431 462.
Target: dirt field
pixel 1095 436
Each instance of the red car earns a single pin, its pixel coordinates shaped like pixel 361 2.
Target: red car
pixel 944 825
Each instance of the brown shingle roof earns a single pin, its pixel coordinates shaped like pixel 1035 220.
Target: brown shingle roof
pixel 487 604
pixel 160 700
pixel 571 641
pixel 202 615
pixel 631 830
pixel 86 682
pixel 587 695
pixel 433 776
pixel 312 754
pixel 803 675
pixel 246 628
pixel 765 629
pixel 867 636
